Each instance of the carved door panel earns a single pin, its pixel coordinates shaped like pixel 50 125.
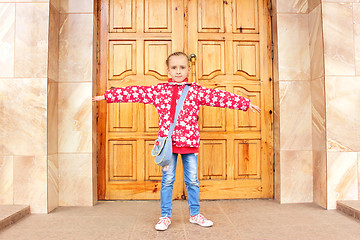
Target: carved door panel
pixel 231 40
pixel 136 36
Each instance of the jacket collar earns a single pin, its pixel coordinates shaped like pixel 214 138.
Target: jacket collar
pixel 186 80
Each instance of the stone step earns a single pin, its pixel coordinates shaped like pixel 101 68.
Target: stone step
pixel 10 214
pixel 350 207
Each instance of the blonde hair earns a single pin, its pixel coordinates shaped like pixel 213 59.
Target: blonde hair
pixel 177 54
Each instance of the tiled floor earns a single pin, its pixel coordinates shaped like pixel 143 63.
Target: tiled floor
pixel 233 219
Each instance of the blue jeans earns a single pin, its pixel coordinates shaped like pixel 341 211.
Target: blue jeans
pixel 190 163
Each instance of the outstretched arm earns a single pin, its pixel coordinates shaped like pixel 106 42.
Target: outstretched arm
pixel 141 94
pixel 220 98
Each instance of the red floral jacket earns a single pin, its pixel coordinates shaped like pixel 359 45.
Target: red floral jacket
pixel 186 132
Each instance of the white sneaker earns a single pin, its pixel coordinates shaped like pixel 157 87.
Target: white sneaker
pixel 201 220
pixel 163 224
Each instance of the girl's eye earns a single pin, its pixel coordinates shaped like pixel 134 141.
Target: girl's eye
pixel 173 67
pixel 182 67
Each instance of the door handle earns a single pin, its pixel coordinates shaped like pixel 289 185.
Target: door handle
pixel 192 59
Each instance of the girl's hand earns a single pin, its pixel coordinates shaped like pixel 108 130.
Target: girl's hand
pixel 254 107
pixel 98 98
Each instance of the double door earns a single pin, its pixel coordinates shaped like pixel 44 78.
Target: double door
pixel 231 40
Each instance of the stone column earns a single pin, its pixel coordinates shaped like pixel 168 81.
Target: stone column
pixel 47 70
pixel 342 83
pixel 292 101
pixel 24 31
pixel 318 102
pixel 53 88
pixel 77 72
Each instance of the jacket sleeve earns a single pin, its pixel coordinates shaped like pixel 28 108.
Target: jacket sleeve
pixel 141 94
pixel 220 98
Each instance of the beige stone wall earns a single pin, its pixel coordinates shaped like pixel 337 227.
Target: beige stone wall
pixel 77 65
pixel 24 33
pixel 327 82
pixel 292 102
pixel 318 108
pixel 52 116
pixel 342 83
pixel 47 70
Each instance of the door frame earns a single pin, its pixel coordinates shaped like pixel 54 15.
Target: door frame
pixel 100 87
pixel 101 110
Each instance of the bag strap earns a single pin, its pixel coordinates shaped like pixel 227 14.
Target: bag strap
pixel 178 108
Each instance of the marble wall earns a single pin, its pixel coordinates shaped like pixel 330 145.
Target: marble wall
pixel 292 102
pixel 318 107
pixel 316 70
pixel 77 66
pixel 47 66
pixel 52 117
pixel 23 103
pixel 341 21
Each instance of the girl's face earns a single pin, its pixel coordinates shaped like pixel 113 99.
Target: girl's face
pixel 178 68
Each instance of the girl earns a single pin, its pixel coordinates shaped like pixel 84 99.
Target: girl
pixel 186 138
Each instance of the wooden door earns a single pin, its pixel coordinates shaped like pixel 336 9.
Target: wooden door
pixel 135 37
pixel 232 42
